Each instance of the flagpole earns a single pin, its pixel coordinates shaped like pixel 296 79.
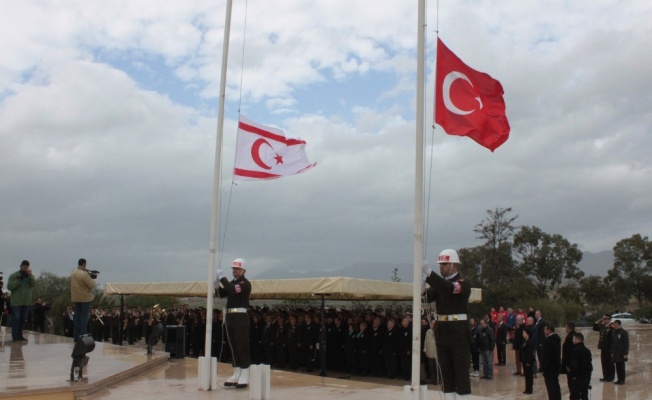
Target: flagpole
pixel 418 202
pixel 205 379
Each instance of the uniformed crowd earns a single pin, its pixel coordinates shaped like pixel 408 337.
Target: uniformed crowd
pixel 358 341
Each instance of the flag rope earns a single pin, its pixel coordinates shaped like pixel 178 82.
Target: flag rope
pixel 223 230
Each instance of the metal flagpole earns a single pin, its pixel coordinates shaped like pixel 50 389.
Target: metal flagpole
pixel 206 375
pixel 418 204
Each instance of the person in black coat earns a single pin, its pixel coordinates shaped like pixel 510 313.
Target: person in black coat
pixel 390 349
pixel 517 344
pixel 294 343
pixel 581 366
pixel 619 350
pixel 309 339
pixel 604 345
pixel 256 347
pixel 551 362
pixel 351 350
pixel 528 357
pixel 363 347
pixel 335 339
pixel 405 348
pixel 486 347
pixel 267 339
pixel 475 352
pixel 280 344
pixel 567 351
pixel 237 320
pixel 501 342
pixel 377 336
pixel 541 325
pixel 451 292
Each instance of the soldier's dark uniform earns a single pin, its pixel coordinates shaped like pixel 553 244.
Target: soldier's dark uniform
pixel 453 336
pixel 280 342
pixel 237 323
pixel 309 339
pixel 405 351
pixel 294 345
pixel 267 338
pixel 376 351
pixel 604 344
pixel 390 351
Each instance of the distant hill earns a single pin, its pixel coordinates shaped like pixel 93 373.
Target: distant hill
pixel 591 264
pixel 377 271
pixel 597 263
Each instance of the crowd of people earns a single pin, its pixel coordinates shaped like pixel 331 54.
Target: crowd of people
pixel 363 341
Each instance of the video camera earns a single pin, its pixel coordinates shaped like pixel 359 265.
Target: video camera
pixel 94 273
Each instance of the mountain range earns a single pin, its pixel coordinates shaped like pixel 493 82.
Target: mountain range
pixel 591 264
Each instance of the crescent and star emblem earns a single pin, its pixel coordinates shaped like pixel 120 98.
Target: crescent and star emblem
pixel 446 91
pixel 255 154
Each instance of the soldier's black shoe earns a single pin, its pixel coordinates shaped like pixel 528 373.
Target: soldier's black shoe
pixel 241 385
pixel 227 384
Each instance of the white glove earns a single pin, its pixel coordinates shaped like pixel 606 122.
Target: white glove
pixel 425 268
pixel 424 276
pixel 219 274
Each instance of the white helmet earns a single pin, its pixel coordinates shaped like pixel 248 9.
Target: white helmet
pixel 448 256
pixel 238 263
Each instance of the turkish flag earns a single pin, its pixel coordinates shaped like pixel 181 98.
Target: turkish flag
pixel 264 153
pixel 468 102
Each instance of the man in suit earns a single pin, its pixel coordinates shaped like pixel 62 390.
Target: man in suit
pixel 619 350
pixel 501 341
pixel 540 325
pixel 567 351
pixel 551 362
pixel 581 367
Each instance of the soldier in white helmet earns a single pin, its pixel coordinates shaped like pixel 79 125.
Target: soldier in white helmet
pixel 236 320
pixel 452 332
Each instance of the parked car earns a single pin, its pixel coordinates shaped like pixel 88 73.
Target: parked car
pixel 625 318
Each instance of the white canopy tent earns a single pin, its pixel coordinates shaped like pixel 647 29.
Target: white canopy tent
pixel 283 289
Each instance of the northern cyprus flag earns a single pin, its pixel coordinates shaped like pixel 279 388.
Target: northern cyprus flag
pixel 265 153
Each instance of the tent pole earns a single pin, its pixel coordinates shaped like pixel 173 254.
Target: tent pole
pixel 122 318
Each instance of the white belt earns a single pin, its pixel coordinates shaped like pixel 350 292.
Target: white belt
pixel 452 317
pixel 236 310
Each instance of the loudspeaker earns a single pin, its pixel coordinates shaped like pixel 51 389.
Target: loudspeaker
pixel 175 341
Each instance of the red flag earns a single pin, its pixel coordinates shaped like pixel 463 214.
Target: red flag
pixel 264 153
pixel 468 102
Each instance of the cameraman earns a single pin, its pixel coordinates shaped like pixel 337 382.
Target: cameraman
pixel 20 283
pixel 81 295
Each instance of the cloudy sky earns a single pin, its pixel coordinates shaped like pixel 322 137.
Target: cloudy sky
pixel 108 115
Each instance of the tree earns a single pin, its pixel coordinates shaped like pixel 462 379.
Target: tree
pixel 496 230
pixel 549 260
pixel 632 266
pixel 472 259
pixel 54 290
pixel 595 291
pixel 395 277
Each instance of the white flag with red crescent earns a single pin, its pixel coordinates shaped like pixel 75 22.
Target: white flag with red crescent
pixel 265 153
